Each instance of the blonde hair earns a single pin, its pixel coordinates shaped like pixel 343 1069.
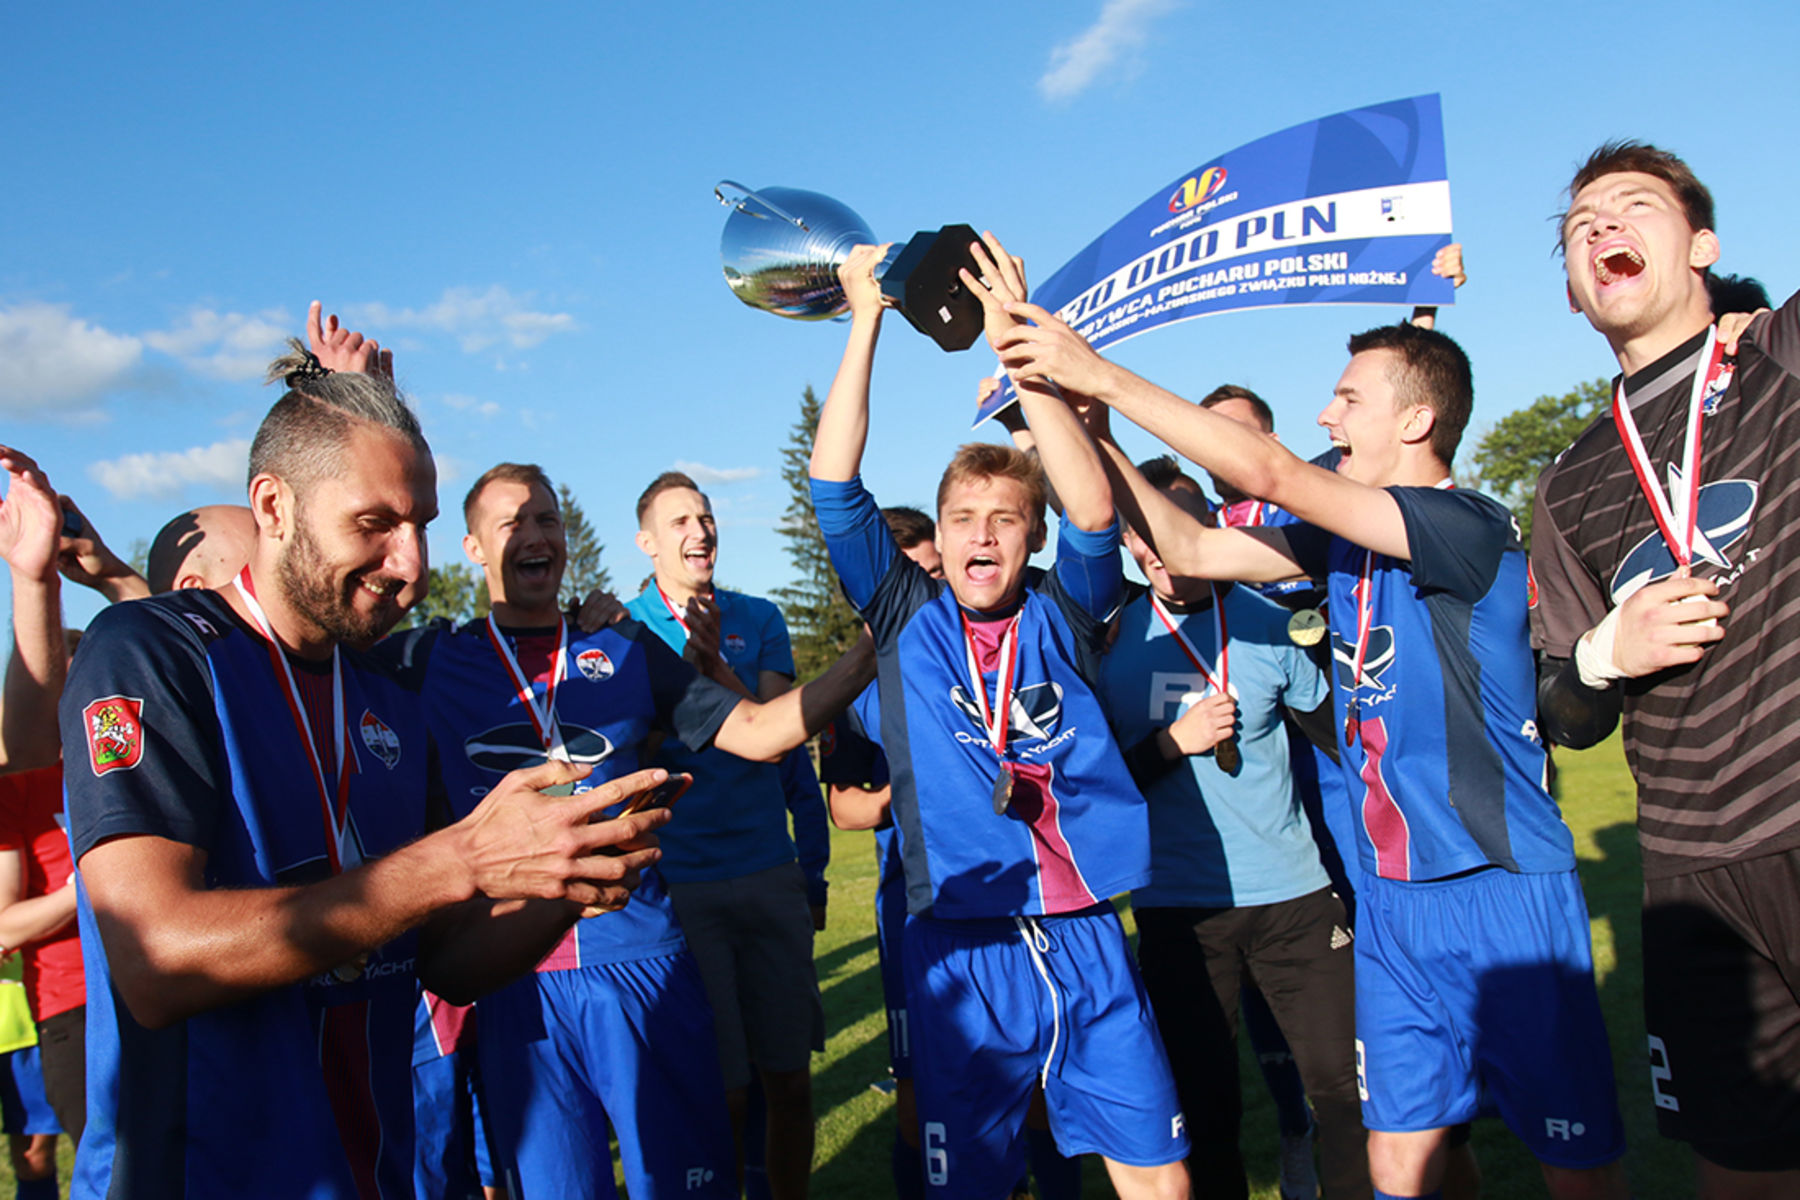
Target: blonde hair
pixel 990 460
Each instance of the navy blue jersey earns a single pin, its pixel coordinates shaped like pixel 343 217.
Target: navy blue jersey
pixel 1446 773
pixel 620 683
pixel 187 735
pixel 1075 832
pixel 849 754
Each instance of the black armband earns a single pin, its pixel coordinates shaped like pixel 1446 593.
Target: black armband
pixel 1318 726
pixel 1570 713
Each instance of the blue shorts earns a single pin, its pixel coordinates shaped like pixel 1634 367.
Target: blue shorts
pixel 450 1151
pixel 1475 995
pixel 890 925
pixel 998 1006
pixel 23 1108
pixel 628 1047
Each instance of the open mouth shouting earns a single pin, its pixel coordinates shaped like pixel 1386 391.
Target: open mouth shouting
pixel 982 570
pixel 534 568
pixel 1616 262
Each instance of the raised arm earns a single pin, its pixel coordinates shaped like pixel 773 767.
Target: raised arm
pixel 844 421
pixel 84 558
pixel 1070 462
pixel 1252 462
pixel 30 526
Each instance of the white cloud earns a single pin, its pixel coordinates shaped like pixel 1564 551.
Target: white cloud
pixel 165 474
pixel 236 346
pixel 477 319
pixel 52 363
pixel 1121 29
pixel 704 474
pixel 469 404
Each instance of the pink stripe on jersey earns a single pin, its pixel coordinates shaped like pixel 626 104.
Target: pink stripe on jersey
pixel 344 1059
pixel 566 956
pixel 1060 883
pixel 450 1025
pixel 1382 818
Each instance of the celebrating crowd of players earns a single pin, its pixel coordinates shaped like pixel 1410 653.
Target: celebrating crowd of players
pixel 323 882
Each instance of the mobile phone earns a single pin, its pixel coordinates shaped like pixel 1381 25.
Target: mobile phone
pixel 661 796
pixel 71 523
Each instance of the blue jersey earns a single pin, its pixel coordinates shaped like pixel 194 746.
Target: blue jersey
pixel 619 684
pixel 1075 831
pixel 736 813
pixel 1218 840
pixel 299 1090
pixel 1446 773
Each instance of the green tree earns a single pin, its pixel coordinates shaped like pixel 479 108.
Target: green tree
pixel 820 621
pixel 584 572
pixel 1510 456
pixel 456 591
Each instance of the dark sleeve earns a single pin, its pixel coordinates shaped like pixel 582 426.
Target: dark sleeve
pixel 1778 334
pixel 1566 599
pixel 1310 548
pixel 143 747
pixel 1145 761
pixel 1455 539
pixel 1570 713
pixel 687 703
pixel 1319 725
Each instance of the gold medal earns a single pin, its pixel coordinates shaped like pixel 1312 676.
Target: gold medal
pixel 1228 756
pixel 1306 627
pixel 350 972
pixel 1003 791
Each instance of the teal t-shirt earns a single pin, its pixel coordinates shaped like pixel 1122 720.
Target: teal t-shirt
pixel 1219 840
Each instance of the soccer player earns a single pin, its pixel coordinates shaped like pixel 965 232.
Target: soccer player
pixel 1664 593
pixel 1473 968
pixel 1017 816
pixel 1198 683
pixel 744 902
pixel 614 1027
pixel 245 804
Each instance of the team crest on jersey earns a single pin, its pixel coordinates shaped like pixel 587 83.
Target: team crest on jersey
pixel 594 665
pixel 115 733
pixel 1378 656
pixel 1725 511
pixel 1036 710
pixel 735 643
pixel 508 747
pixel 381 740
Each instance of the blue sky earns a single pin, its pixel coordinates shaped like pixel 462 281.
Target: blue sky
pixel 518 199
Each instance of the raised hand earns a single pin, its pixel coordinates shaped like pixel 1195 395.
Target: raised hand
pixel 1001 281
pixel 1448 264
pixel 30 518
pixel 861 289
pixel 340 349
pixel 1048 349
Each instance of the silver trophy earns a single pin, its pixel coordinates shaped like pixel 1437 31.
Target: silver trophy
pixel 782 247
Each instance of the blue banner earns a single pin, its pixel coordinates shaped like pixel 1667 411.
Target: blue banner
pixel 1348 209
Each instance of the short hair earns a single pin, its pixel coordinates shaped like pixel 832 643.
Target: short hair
pixel 668 481
pixel 1614 158
pixel 1265 416
pixel 528 474
pixel 1433 371
pixel 1736 294
pixel 169 549
pixel 1163 472
pixel 909 526
pixel 990 460
pixel 302 438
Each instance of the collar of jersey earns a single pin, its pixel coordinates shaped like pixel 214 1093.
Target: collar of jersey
pixel 1665 372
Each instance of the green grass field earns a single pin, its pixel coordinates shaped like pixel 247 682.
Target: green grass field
pixel 856 1123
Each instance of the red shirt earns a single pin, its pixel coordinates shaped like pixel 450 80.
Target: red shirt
pixel 31 805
